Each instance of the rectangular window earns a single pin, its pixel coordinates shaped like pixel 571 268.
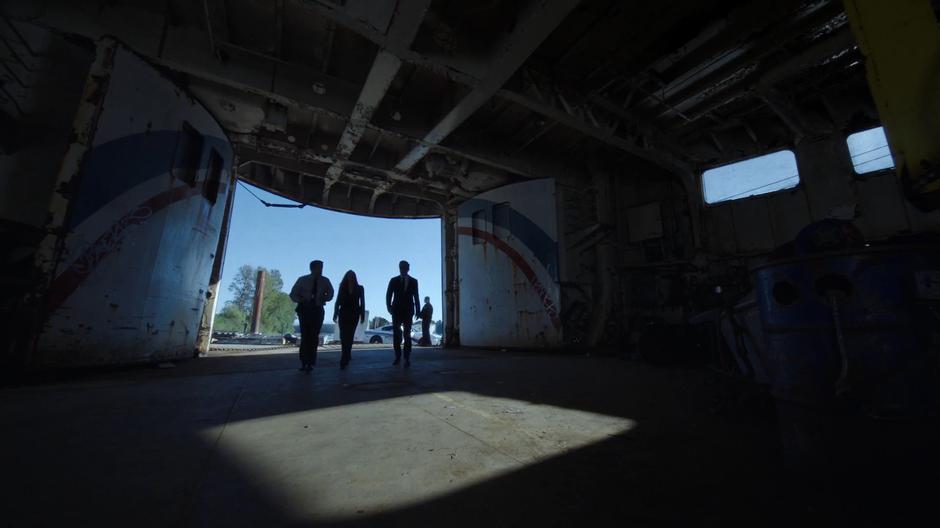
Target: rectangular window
pixel 870 151
pixel 501 227
pixel 479 225
pixel 188 154
pixel 210 188
pixel 751 177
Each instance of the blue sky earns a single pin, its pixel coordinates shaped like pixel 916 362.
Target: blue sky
pixel 288 239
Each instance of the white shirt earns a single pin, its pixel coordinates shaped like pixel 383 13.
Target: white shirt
pixel 303 290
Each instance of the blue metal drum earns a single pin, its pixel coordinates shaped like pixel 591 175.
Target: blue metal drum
pixel 863 324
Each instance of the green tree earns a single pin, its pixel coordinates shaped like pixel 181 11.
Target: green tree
pixel 243 285
pixel 243 288
pixel 230 319
pixel 378 321
pixel 277 313
pixel 277 310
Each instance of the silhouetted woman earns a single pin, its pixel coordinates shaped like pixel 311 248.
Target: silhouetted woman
pixel 349 310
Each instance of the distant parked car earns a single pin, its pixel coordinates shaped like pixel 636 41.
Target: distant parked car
pixel 384 335
pixel 223 336
pixel 291 339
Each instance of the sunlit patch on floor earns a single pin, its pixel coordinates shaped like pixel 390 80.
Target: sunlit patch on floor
pixel 367 458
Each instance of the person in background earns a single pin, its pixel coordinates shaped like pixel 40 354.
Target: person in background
pixel 427 312
pixel 401 298
pixel 311 292
pixel 349 310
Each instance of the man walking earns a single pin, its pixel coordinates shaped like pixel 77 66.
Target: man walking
pixel 311 292
pixel 427 313
pixel 401 298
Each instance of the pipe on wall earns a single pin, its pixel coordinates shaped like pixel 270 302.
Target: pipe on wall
pixel 451 336
pixel 204 338
pixel 604 259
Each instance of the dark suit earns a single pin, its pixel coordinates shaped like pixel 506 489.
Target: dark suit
pixel 403 302
pixel 427 312
pixel 348 311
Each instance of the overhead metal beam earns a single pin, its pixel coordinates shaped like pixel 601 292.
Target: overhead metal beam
pixel 717 46
pixel 216 22
pixel 535 25
pixel 680 97
pixel 767 80
pixel 384 68
pixel 315 163
pixel 251 154
pixel 404 26
pixel 821 50
pixel 339 15
pixel 278 27
pixel 646 129
pixel 696 43
pixel 788 112
pixel 255 73
pixel 465 108
pixel 588 126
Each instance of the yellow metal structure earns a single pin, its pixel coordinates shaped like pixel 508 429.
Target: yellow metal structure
pixel 901 44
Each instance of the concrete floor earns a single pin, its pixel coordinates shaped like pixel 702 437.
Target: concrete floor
pixel 463 437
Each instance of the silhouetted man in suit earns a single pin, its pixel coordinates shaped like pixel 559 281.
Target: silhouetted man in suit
pixel 427 313
pixel 401 298
pixel 311 292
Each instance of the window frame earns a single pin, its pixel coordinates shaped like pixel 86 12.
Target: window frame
pixel 877 172
pixel 502 232
pixel 188 132
pixel 701 178
pixel 481 214
pixel 215 168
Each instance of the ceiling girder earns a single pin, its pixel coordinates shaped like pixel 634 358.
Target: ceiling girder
pixel 338 15
pixel 250 154
pixel 768 80
pixel 587 124
pixel 216 22
pixel 732 71
pixel 315 162
pixel 404 26
pixel 185 49
pixel 535 25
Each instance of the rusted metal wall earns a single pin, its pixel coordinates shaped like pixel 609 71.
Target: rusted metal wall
pixel 577 220
pixel 509 272
pixel 42 76
pixel 140 224
pixel 42 82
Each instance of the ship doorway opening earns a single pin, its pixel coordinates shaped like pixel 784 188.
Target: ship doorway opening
pixel 271 247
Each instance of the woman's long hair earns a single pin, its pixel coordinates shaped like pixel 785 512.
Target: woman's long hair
pixel 350 282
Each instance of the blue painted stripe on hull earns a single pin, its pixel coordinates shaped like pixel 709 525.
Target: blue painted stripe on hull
pixel 112 168
pixel 524 229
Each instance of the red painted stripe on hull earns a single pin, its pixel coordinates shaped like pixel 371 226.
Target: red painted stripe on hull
pixel 522 264
pixel 110 242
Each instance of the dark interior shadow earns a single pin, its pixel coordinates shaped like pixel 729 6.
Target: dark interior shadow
pixel 132 445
